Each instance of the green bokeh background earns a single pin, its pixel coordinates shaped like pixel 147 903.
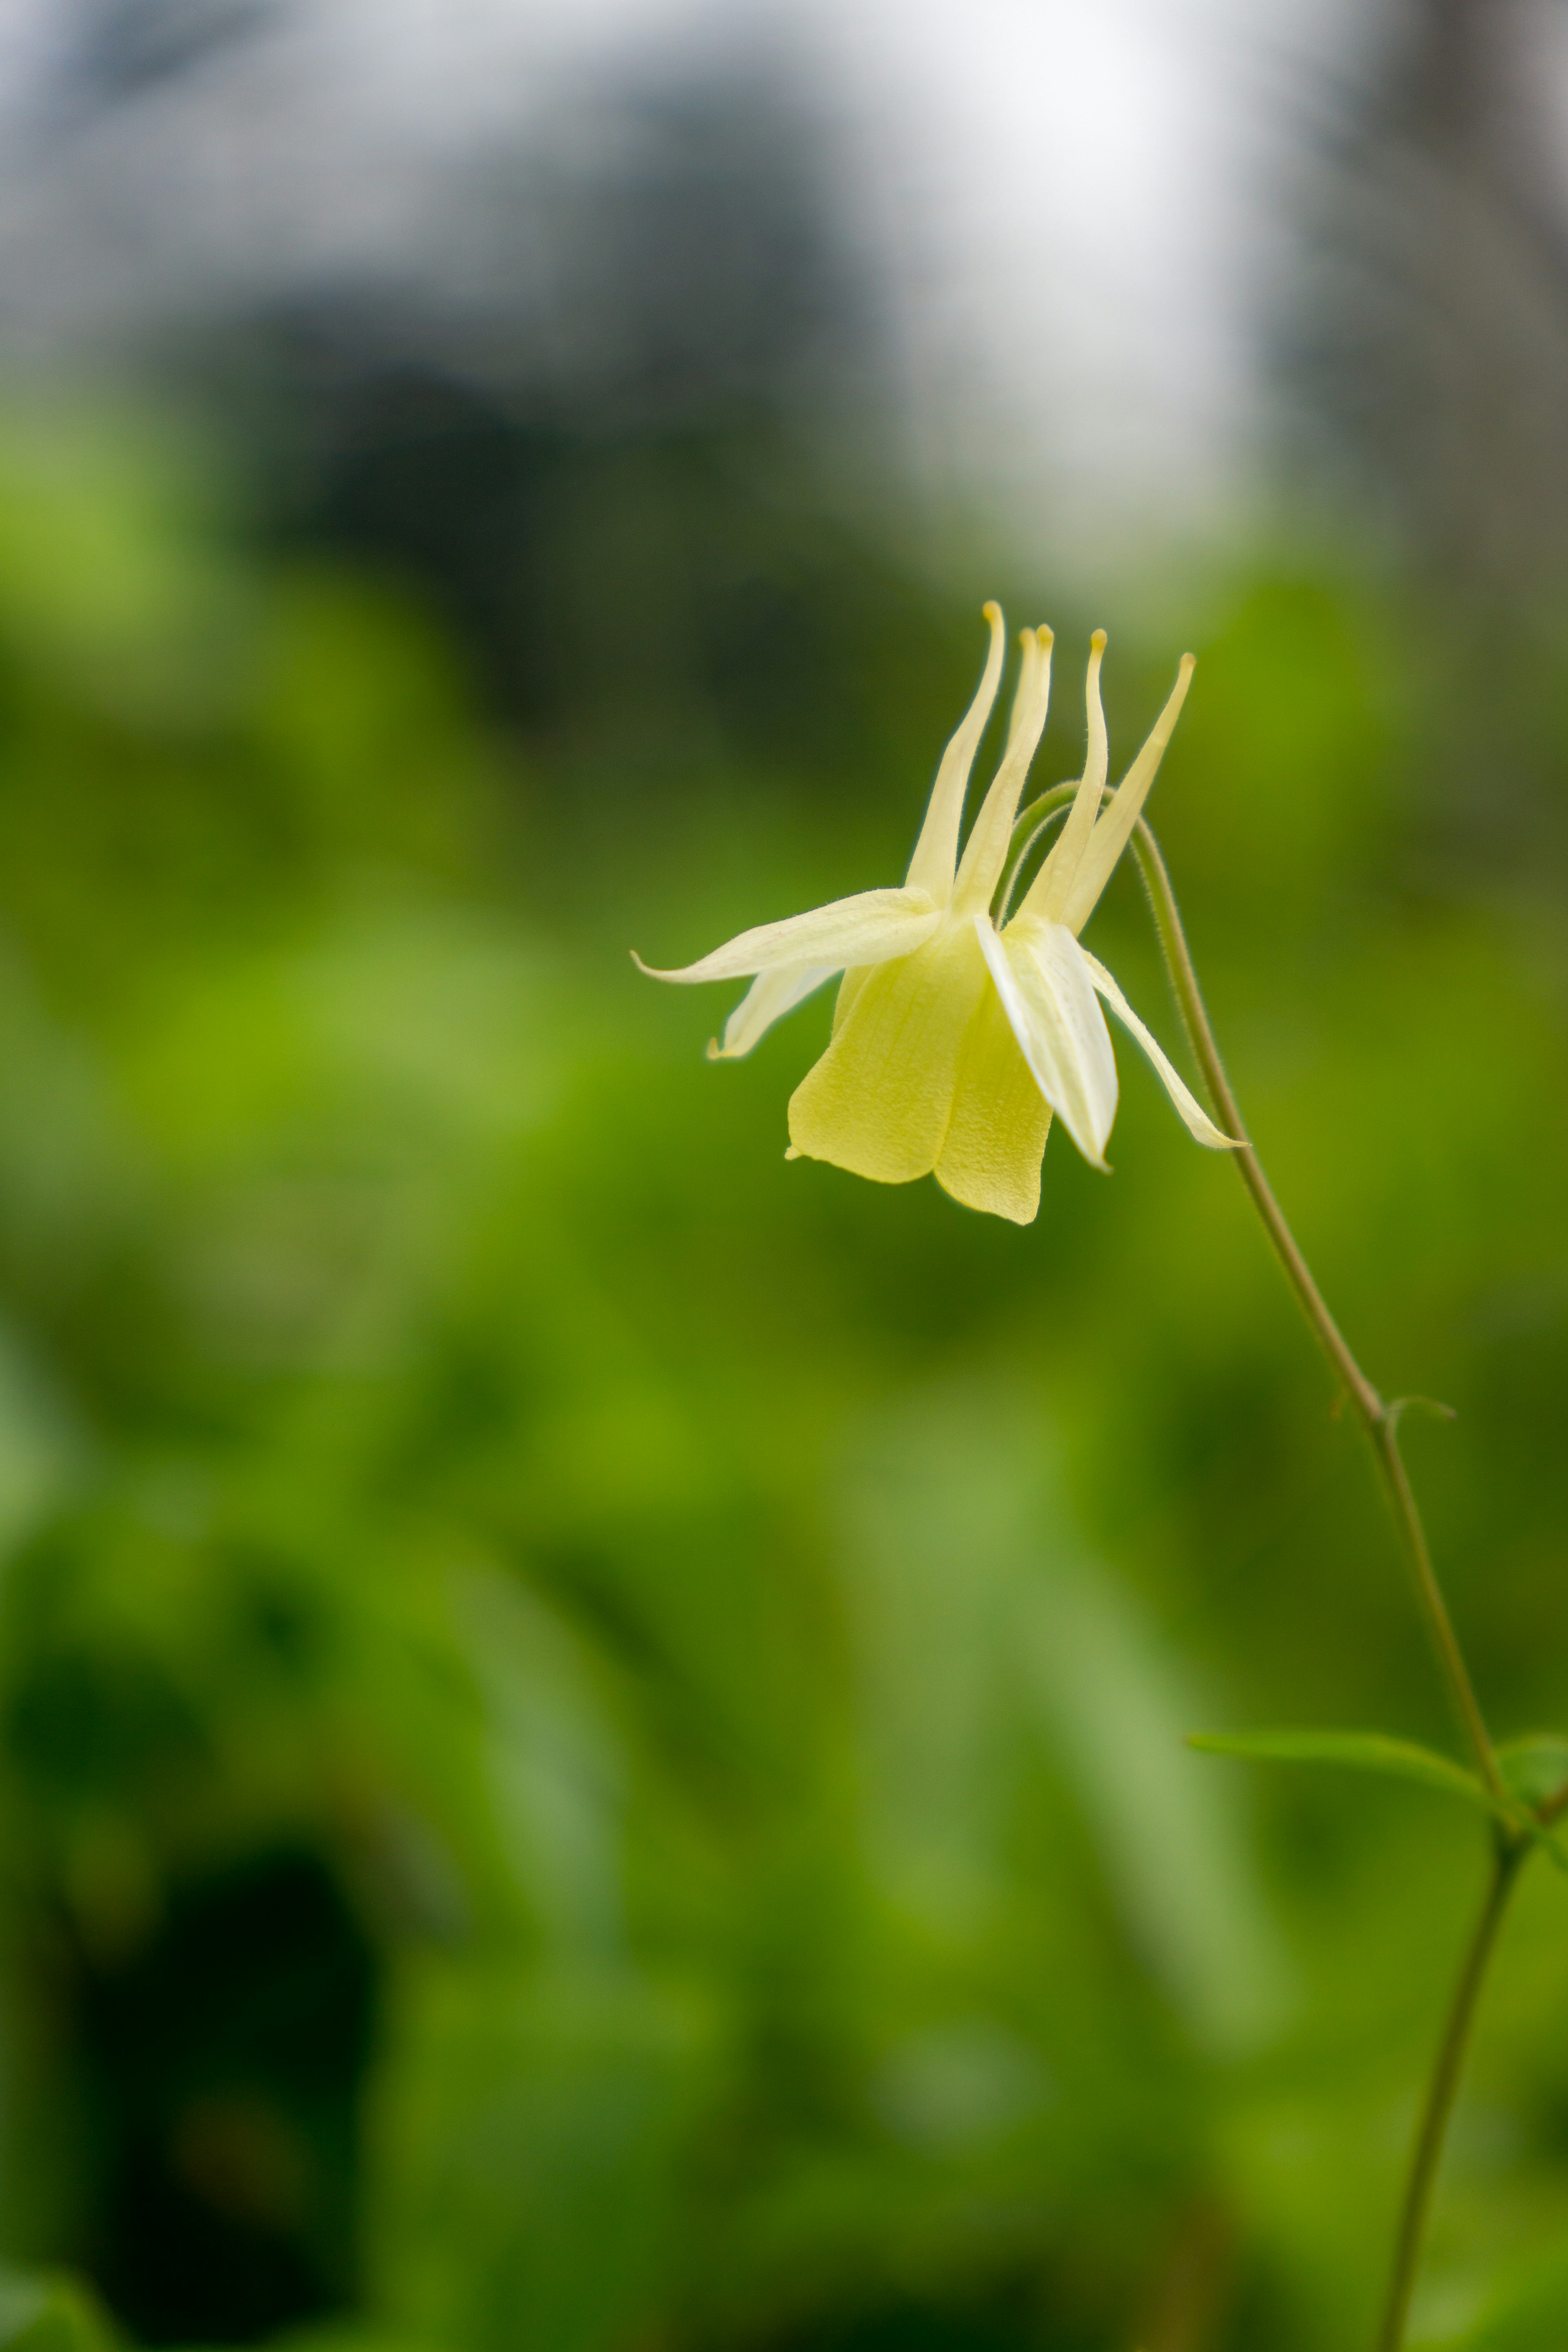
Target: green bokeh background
pixel 590 1723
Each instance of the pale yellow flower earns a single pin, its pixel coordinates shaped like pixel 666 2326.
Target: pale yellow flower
pixel 953 1041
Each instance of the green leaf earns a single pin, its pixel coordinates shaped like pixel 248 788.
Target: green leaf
pixel 1361 1751
pixel 1535 1769
pixel 1529 1766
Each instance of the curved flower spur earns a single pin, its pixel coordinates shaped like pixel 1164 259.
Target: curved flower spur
pixel 953 1041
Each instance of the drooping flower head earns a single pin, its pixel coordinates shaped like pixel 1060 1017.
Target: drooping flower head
pixel 953 1041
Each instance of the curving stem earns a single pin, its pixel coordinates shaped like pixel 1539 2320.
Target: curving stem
pixel 1443 2089
pixel 1380 1422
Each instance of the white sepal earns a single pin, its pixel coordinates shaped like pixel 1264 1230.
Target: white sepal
pixel 1043 980
pixel 1198 1122
pixel 869 927
pixel 770 996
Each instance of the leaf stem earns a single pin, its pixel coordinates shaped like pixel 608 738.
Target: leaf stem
pixel 1442 2091
pixel 1380 1420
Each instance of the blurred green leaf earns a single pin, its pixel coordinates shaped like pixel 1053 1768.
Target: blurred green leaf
pixel 1530 1763
pixel 528 2158
pixel 1536 1769
pixel 1358 1751
pixel 979 1596
pixel 51 2311
pixel 113 579
pixel 351 2335
pixel 1528 2313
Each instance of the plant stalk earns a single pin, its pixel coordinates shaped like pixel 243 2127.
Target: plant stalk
pixel 1380 1420
pixel 1442 2091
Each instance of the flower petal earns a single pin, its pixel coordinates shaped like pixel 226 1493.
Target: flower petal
pixel 770 996
pixel 1043 980
pixel 1114 830
pixel 936 852
pixel 1031 642
pixel 1047 893
pixel 991 836
pixel 867 928
pixel 1199 1121
pixel 996 1133
pixel 849 988
pixel 879 1100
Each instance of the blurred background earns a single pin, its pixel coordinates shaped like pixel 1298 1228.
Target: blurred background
pixel 590 1722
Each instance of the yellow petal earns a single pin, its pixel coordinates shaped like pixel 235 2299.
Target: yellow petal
pixel 1047 893
pixel 872 925
pixel 770 996
pixel 996 1134
pixel 879 1100
pixel 849 988
pixel 1114 830
pixel 1025 693
pixel 991 836
pixel 936 851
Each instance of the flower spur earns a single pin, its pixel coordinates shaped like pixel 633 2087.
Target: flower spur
pixel 953 1041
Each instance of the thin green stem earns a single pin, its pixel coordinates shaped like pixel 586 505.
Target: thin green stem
pixel 1194 1017
pixel 1026 830
pixel 1380 1420
pixel 1442 2091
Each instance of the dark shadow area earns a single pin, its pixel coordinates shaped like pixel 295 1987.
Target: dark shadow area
pixel 1019 2319
pixel 223 2068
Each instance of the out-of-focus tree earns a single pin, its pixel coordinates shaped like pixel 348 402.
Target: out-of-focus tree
pixel 1434 343
pixel 1422 354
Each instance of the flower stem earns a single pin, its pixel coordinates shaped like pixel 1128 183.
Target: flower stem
pixel 1380 1420
pixel 1442 2090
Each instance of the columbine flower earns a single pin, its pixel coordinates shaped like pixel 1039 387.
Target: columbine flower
pixel 954 1042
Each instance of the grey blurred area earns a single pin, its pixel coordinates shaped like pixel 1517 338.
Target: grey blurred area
pixel 649 230
pixel 119 47
pixel 648 347
pixel 1426 341
pixel 1420 363
pixel 658 219
pixel 602 380
pixel 620 329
